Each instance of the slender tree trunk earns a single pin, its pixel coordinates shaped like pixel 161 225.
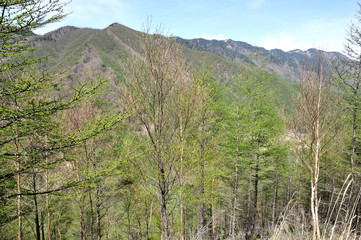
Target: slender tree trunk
pixel 146 220
pixel 290 179
pixel 234 203
pixel 181 169
pixel 275 203
pixel 163 210
pixel 181 209
pixel 317 164
pixel 255 202
pixel 213 213
pixel 80 201
pixel 42 225
pixel 353 148
pixel 36 212
pixel 81 227
pixel 59 221
pixel 18 181
pixel 91 213
pixel 47 195
pixel 202 217
pixel 354 130
pixel 128 217
pixel 138 213
pixel 48 209
pixel 235 187
pixel 262 200
pixel 98 217
pixel 248 218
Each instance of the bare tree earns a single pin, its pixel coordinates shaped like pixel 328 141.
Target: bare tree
pixel 155 84
pixel 316 118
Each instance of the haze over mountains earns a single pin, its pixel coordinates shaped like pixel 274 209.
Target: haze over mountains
pixel 82 49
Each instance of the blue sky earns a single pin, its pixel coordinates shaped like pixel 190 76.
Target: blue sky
pixel 283 24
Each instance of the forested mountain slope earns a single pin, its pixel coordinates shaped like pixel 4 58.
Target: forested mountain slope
pixel 108 49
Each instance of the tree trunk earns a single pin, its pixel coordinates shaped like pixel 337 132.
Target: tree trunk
pixel 138 213
pixel 234 204
pixel 248 218
pixel 81 227
pixel 275 213
pixel 91 214
pixel 42 225
pixel 98 204
pixel 36 212
pixel 163 210
pixel 235 187
pixel 213 214
pixel 48 211
pixel 20 230
pixel 255 202
pixel 47 195
pixel 80 200
pixel 181 169
pixel 353 149
pixel 59 221
pixel 202 217
pixel 317 166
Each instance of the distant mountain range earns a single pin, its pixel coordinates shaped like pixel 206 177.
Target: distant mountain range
pixel 107 50
pixel 286 64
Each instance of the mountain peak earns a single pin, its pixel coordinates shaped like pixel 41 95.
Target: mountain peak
pixel 58 33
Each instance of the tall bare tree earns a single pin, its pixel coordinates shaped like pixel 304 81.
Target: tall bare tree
pixel 316 116
pixel 155 85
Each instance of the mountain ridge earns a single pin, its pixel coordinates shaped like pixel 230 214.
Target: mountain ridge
pixel 68 40
pixel 288 64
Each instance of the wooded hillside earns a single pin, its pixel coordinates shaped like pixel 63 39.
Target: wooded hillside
pixel 116 134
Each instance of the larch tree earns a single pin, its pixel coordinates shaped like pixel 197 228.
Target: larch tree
pixel 347 77
pixel 156 84
pixel 29 104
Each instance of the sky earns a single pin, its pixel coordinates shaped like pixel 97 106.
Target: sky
pixel 282 24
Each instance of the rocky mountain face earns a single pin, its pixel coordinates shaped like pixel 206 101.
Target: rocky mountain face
pixel 286 64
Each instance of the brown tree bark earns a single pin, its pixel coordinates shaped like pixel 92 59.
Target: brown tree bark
pixel 98 217
pixel 163 212
pixel 36 211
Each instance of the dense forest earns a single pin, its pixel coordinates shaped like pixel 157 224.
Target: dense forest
pixel 171 151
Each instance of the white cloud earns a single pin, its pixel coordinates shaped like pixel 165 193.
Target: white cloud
pixel 218 37
pixel 256 3
pixel 283 41
pixel 327 34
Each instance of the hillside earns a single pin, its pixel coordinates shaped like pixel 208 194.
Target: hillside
pixel 80 50
pixel 117 134
pixel 107 50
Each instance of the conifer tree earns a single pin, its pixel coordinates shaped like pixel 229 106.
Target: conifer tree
pixel 30 134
